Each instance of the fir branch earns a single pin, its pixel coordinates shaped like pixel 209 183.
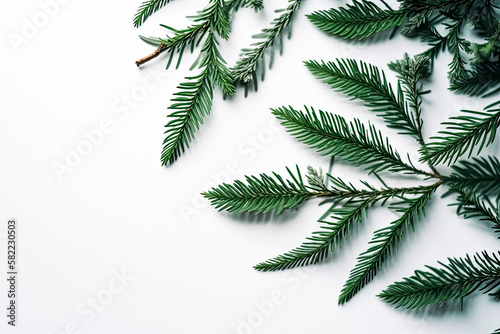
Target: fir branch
pixel 482 16
pixel 357 21
pixel 213 59
pixel 450 41
pixel 254 57
pixel 436 11
pixel 194 101
pixel 464 134
pixel 146 9
pixel 415 23
pixel 369 84
pixel 215 15
pixel 384 244
pixel 454 281
pixel 333 135
pixel 321 243
pixel 481 175
pixel 263 193
pixel 191 104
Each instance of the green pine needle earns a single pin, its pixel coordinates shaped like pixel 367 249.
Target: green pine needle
pixel 456 45
pixel 473 70
pixel 454 281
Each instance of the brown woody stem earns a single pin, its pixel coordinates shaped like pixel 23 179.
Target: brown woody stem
pixel 155 54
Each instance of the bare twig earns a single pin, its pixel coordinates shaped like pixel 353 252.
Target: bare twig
pixel 155 54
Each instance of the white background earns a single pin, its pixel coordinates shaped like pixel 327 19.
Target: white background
pixel 188 267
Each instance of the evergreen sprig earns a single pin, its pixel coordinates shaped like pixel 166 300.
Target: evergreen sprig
pixel 193 101
pixel 453 282
pixel 256 5
pixel 252 59
pixel 264 193
pixel 353 141
pixel 357 21
pixel 365 18
pixel 474 66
